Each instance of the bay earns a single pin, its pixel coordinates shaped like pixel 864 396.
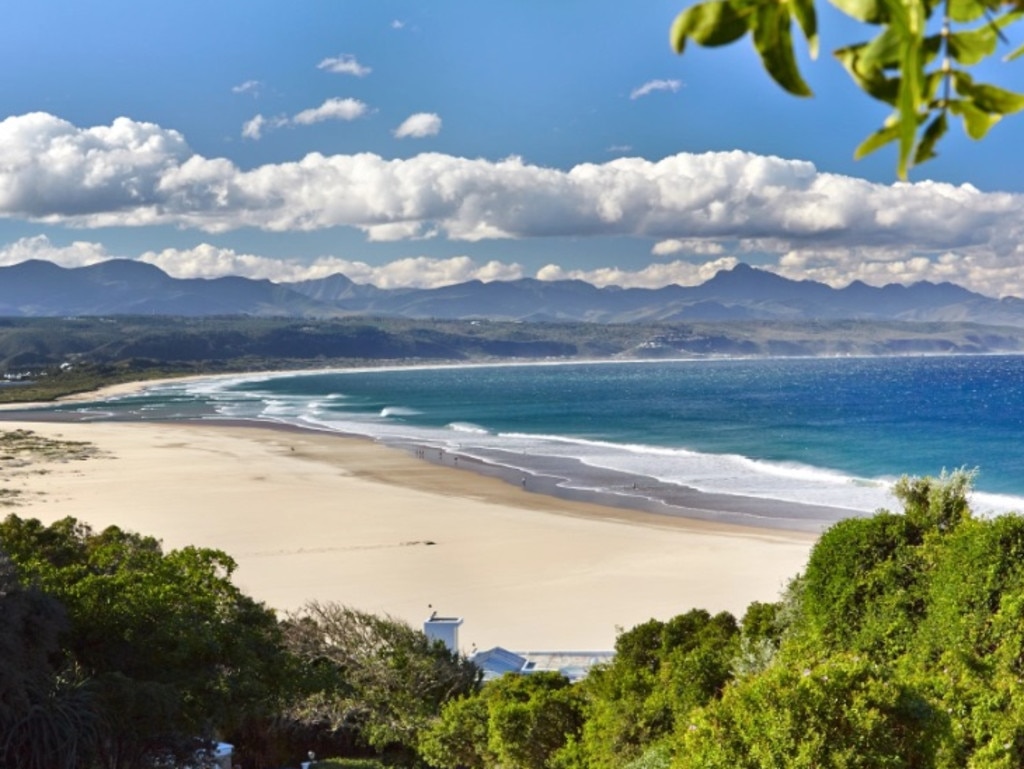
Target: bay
pixel 833 433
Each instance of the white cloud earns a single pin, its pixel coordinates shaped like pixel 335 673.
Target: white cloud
pixel 249 86
pixel 655 85
pixel 332 109
pixel 427 272
pixel 133 174
pixel 253 129
pixel 418 126
pixel 651 276
pixel 992 276
pixel 78 254
pixel 988 273
pixel 54 171
pixel 207 261
pixel 345 64
pixel 679 245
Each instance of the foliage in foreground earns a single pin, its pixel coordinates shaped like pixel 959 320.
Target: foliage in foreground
pixel 919 62
pixel 115 654
pixel 156 649
pixel 904 649
pixel 900 646
pixel 374 675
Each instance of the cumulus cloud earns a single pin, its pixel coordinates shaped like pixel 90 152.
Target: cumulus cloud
pixel 332 109
pixel 207 261
pixel 655 85
pixel 133 173
pixel 652 276
pixel 428 272
pixel 418 126
pixel 681 245
pixel 54 171
pixel 986 272
pixel 78 254
pixel 345 64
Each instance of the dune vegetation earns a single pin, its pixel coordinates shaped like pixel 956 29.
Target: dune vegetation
pixel 900 645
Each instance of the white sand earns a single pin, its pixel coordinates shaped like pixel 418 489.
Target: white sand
pixel 310 516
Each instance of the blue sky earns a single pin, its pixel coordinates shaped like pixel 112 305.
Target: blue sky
pixel 423 143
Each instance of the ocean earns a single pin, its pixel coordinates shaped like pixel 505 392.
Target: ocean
pixel 754 436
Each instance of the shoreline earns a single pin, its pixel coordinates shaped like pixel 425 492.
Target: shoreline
pixel 310 515
pixel 551 477
pixel 612 489
pixel 617 489
pixel 550 495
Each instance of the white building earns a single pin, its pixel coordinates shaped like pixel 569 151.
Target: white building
pixel 574 665
pixel 496 662
pixel 444 629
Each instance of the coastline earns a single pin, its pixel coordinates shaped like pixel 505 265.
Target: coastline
pixel 561 477
pixel 318 516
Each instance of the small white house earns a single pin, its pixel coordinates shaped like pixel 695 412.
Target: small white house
pixel 496 662
pixel 444 629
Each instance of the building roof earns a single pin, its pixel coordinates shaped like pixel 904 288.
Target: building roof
pixel 574 665
pixel 497 662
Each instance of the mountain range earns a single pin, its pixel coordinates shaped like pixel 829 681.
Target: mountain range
pixel 125 287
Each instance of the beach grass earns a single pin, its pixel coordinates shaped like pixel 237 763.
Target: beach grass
pixel 21 453
pixel 22 445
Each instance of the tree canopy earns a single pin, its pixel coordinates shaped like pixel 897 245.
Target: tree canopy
pixel 374 674
pixel 170 651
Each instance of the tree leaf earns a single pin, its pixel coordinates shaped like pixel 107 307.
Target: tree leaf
pixel 774 43
pixel 963 11
pixel 932 82
pixel 908 19
pixel 935 131
pixel 882 52
pixel 870 11
pixel 708 24
pixel 877 140
pixel 907 100
pixel 807 18
pixel 976 122
pixel 997 100
pixel 871 80
pixel 972 46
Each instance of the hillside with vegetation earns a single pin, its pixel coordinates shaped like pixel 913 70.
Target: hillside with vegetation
pixel 44 358
pixel 899 646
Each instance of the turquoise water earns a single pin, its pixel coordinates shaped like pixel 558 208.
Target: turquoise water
pixel 832 432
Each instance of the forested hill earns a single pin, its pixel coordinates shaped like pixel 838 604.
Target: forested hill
pixel 126 287
pixel 62 355
pixel 243 342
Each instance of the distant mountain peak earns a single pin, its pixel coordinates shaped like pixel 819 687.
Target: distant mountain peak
pixel 744 292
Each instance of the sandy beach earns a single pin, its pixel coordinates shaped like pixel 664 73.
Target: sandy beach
pixel 325 517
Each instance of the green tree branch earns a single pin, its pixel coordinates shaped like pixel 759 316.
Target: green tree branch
pixel 924 76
